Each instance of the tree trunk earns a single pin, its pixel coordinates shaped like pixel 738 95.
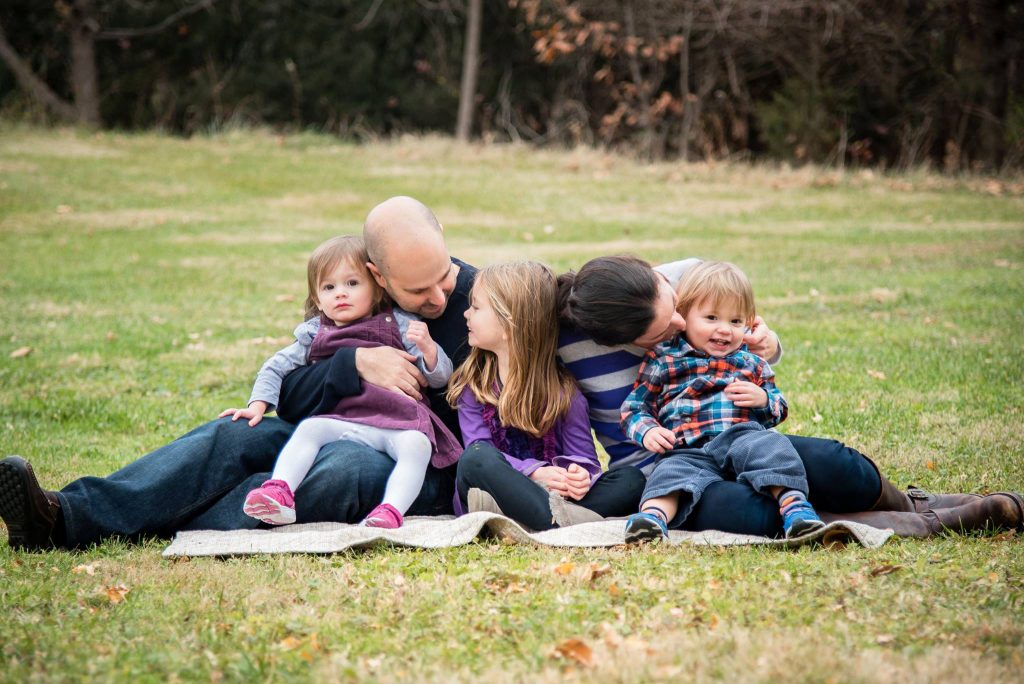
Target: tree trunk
pixel 470 70
pixel 84 78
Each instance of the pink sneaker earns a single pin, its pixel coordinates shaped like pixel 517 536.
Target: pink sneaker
pixel 273 503
pixel 385 516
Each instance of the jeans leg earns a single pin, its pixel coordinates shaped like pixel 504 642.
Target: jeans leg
pixel 160 492
pixel 760 458
pixel 733 507
pixel 481 466
pixel 345 483
pixel 839 479
pixel 616 493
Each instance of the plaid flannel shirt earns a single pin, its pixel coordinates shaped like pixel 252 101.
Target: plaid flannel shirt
pixel 681 388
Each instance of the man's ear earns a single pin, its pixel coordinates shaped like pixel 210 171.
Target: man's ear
pixel 375 272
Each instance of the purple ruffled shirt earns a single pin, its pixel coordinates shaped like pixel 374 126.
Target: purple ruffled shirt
pixel 572 436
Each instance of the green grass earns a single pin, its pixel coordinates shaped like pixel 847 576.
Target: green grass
pixel 150 276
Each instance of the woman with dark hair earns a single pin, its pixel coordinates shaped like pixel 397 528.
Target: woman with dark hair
pixel 616 308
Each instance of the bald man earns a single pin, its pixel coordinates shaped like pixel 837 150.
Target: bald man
pixel 200 480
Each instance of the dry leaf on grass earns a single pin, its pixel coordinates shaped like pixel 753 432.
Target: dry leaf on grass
pixel 21 352
pixel 116 594
pixel 877 375
pixel 284 298
pixel 564 568
pixel 885 570
pixel 89 569
pixel 576 650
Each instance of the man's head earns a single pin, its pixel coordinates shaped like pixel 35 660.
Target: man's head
pixel 408 257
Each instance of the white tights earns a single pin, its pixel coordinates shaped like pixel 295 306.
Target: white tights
pixel 410 449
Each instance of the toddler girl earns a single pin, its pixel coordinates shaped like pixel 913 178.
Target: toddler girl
pixel 521 414
pixel 347 308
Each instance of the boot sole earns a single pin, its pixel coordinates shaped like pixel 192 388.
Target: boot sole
pixel 16 478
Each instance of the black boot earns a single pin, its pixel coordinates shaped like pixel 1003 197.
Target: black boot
pixel 32 514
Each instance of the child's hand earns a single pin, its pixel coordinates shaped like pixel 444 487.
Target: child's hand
pixel 577 482
pixel 746 394
pixel 420 336
pixel 254 413
pixel 659 440
pixel 552 478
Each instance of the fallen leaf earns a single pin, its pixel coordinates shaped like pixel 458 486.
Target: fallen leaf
pixel 528 237
pixel 593 571
pixel 817 418
pixel 993 577
pixel 564 568
pixel 64 209
pixel 284 298
pixel 111 336
pixel 1002 263
pixel 930 465
pixel 87 569
pixel 117 593
pixel 575 649
pixel 290 643
pixel 883 639
pixel 21 352
pixel 884 570
pixel 614 591
pixel 877 375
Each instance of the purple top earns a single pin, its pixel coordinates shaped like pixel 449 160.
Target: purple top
pixel 572 435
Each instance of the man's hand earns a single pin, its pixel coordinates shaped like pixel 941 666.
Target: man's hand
pixel 659 440
pixel 391 369
pixel 254 413
pixel 761 341
pixel 577 482
pixel 552 478
pixel 746 394
pixel 420 336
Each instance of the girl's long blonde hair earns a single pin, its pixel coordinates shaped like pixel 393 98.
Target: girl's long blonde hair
pixel 524 295
pixel 326 257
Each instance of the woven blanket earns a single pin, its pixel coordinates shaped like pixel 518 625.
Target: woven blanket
pixel 444 531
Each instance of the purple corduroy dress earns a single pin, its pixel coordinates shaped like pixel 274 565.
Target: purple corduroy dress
pixel 375 405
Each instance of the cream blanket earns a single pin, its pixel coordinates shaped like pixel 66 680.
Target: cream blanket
pixel 444 531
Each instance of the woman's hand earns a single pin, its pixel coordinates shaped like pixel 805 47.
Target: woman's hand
pixel 761 341
pixel 746 394
pixel 659 440
pixel 254 413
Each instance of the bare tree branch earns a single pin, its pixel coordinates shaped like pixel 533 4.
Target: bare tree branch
pixel 370 14
pixel 118 34
pixel 32 84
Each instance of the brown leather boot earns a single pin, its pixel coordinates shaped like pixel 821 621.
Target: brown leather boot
pixel 1003 510
pixel 31 513
pixel 891 498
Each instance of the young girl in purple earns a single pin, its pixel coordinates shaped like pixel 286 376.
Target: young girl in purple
pixel 521 414
pixel 347 308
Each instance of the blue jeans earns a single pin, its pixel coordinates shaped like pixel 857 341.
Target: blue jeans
pixel 839 480
pixel 200 480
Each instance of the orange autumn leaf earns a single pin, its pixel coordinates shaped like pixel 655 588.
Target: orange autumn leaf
pixel 575 649
pixel 117 593
pixel 564 568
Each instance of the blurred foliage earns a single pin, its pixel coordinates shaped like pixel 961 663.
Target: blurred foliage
pixel 934 82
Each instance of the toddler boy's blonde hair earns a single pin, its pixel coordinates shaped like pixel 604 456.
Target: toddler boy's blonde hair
pixel 716 282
